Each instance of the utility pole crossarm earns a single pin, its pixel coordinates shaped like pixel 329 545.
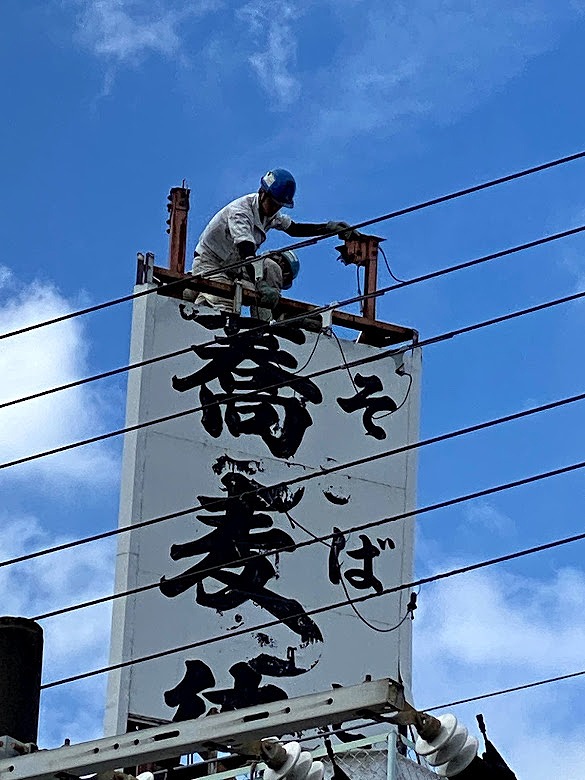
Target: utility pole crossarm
pixel 229 730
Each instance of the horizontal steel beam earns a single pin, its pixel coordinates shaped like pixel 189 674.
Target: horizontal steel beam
pixel 228 730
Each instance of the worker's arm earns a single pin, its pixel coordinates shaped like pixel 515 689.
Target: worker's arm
pixel 246 249
pixel 309 229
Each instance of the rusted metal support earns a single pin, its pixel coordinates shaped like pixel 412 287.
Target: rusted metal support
pixel 178 208
pixel 362 250
pixel 374 332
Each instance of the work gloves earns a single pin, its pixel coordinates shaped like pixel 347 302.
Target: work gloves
pixel 269 296
pixel 343 229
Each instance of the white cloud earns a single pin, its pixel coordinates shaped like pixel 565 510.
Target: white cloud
pixel 122 30
pixel 401 62
pixel 485 515
pixel 38 360
pixel 73 643
pixel 271 26
pixel 510 621
pixel 490 630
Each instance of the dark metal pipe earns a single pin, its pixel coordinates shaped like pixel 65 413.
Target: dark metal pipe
pixel 21 661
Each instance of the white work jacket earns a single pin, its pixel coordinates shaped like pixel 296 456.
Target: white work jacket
pixel 238 221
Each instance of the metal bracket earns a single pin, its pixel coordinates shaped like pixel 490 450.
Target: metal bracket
pixel 10 747
pixel 327 316
pixel 230 730
pixel 258 270
pixel 238 296
pixel 144 268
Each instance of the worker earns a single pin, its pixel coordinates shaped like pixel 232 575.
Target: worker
pixel 236 232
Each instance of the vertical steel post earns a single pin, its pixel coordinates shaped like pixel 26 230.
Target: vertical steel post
pixel 362 250
pixel 21 661
pixel 391 759
pixel 178 207
pixel 371 277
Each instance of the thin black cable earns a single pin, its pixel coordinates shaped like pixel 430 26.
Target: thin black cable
pixel 329 470
pixel 396 279
pixel 344 361
pixel 359 287
pixel 314 475
pixel 467 264
pixel 306 477
pixel 316 239
pixel 311 355
pixel 382 291
pixel 380 415
pixel 441 199
pixel 533 478
pixel 356 611
pixel 96 377
pixel 503 691
pixel 366 622
pixel 320 610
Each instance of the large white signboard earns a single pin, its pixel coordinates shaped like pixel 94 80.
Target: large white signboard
pixel 216 573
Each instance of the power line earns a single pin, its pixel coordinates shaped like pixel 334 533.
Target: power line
pixel 426 204
pixel 96 377
pixel 264 327
pixel 288 381
pixel 533 478
pixel 319 610
pixel 309 242
pixel 305 477
pixel 504 691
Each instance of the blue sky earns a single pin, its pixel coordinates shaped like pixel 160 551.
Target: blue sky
pixel 109 103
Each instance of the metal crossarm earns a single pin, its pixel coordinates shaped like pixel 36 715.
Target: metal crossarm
pixel 229 730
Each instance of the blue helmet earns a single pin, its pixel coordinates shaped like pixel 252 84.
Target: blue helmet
pixel 280 184
pixel 293 263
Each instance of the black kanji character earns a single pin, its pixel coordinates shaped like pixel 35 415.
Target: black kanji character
pixel 246 692
pixel 184 696
pixel 229 546
pixel 252 397
pixel 362 400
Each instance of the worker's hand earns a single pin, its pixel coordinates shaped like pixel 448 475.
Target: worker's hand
pixel 269 296
pixel 343 229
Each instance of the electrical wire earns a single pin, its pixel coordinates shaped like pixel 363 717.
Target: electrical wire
pixel 359 287
pixel 442 199
pixel 495 489
pixel 366 622
pixel 287 382
pixel 319 610
pixel 311 355
pixel 504 691
pixel 310 242
pixel 396 279
pixel 344 361
pixel 291 320
pixel 358 614
pixel 304 478
pixel 380 415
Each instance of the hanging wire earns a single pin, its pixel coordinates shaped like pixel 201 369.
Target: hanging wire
pixel 396 279
pixel 318 610
pixel 429 508
pixel 314 475
pixel 358 614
